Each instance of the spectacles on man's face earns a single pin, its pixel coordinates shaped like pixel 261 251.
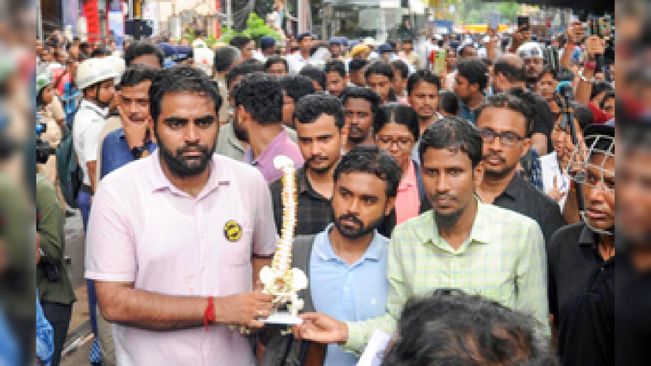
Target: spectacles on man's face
pixel 507 138
pixel 403 142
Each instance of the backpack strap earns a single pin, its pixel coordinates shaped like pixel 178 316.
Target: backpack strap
pixel 301 252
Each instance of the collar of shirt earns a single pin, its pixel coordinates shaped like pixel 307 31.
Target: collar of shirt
pixel 514 189
pixel 159 181
pixel 123 136
pixel 409 179
pixel 323 247
pixel 479 234
pixel 270 151
pixel 102 112
pixel 304 185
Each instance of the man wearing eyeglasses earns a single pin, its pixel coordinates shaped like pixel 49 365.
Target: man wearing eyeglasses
pixel 505 128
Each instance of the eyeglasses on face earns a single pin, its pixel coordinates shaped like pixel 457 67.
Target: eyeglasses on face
pixel 507 138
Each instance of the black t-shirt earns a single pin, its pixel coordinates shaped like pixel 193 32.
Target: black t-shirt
pixel 633 314
pixel 581 296
pixel 520 196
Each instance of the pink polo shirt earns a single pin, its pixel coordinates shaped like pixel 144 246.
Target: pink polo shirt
pixel 144 230
pixel 407 200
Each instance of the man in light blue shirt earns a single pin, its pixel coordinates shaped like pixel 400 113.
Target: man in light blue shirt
pixel 349 258
pixel 347 261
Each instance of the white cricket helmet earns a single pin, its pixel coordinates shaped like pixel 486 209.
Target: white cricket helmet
pixel 93 71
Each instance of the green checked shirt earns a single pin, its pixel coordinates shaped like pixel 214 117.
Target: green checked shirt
pixel 503 259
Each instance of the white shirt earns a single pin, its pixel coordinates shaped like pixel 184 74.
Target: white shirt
pixel 550 169
pixel 296 61
pixel 86 129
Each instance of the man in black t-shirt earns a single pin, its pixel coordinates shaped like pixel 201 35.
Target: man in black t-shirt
pixel 508 74
pixel 581 259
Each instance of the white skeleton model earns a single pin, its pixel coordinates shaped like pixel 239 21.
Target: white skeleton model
pixel 281 280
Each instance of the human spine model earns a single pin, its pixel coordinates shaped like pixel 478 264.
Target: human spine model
pixel 281 280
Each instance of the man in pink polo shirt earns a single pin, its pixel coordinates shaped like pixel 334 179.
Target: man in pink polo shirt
pixel 176 239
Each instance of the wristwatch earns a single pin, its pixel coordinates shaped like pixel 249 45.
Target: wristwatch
pixel 137 151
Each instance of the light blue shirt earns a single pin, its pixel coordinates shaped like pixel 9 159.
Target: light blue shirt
pixel 348 292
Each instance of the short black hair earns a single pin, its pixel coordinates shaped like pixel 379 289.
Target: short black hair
pixel 509 70
pixel 399 113
pixel 531 102
pixel 511 102
pixel 303 35
pixel 422 76
pixel 225 57
pixel 181 78
pixel 239 41
pixel 356 64
pixel 449 102
pixel 453 133
pixel 136 74
pixel 475 71
pixel 379 67
pixel 312 106
pixel 400 67
pixel 261 96
pixel 245 68
pixel 583 114
pixel 453 328
pixel 337 66
pixel 275 60
pixel 141 48
pixel 296 86
pixel 600 87
pixel 610 94
pixel 362 93
pixel 315 74
pixel 98 52
pixel 372 160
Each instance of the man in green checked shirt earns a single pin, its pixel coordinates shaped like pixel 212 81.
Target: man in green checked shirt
pixel 461 243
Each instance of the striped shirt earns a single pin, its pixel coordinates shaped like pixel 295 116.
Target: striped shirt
pixel 502 259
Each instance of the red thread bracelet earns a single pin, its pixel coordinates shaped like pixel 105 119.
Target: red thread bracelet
pixel 590 65
pixel 209 313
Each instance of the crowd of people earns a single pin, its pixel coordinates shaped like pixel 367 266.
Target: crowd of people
pixel 463 204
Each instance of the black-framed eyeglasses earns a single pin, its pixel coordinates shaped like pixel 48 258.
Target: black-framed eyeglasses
pixel 506 138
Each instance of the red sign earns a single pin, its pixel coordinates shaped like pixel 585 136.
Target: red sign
pixel 92 19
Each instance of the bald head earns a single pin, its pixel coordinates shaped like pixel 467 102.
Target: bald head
pixel 508 71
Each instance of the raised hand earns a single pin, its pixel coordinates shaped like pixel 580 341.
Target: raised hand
pixel 555 193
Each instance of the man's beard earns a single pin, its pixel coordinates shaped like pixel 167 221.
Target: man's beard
pixel 361 231
pixel 498 174
pixel 320 170
pixel 446 220
pixel 181 167
pixel 239 131
pixel 356 139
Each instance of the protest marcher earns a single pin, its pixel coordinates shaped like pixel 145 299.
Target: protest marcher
pixel 321 136
pixel 505 127
pixel 361 108
pixel 258 116
pixel 464 231
pixel 347 261
pixel 159 317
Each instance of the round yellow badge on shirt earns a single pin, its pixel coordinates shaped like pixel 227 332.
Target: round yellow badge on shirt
pixel 232 231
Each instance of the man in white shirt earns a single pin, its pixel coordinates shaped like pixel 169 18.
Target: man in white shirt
pixel 301 58
pixel 95 78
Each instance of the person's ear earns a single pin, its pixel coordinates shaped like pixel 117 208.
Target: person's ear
pixel 526 146
pixel 478 174
pixel 391 203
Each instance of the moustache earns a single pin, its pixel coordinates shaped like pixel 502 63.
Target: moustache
pixel 495 156
pixel 443 196
pixel 355 128
pixel 352 218
pixel 191 148
pixel 317 158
